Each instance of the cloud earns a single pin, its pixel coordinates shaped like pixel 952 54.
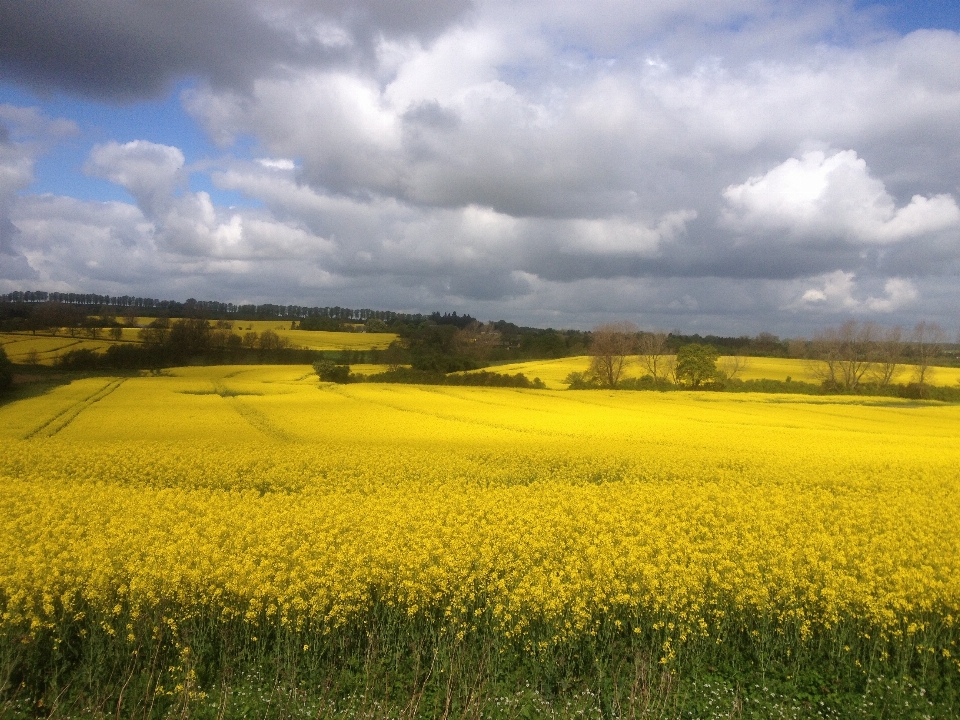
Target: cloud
pixel 124 49
pixel 690 163
pixel 25 134
pixel 188 223
pixel 835 293
pixel 820 197
pixel 152 173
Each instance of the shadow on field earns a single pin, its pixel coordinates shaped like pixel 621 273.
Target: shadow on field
pixel 30 381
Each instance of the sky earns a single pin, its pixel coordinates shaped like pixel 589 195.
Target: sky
pixel 727 167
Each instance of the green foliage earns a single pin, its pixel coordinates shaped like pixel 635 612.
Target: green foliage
pixel 582 381
pixel 320 324
pixel 6 371
pixel 329 371
pixel 697 364
pixel 646 382
pixel 392 663
pixel 375 325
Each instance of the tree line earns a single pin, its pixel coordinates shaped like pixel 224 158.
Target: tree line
pixel 165 343
pixel 851 357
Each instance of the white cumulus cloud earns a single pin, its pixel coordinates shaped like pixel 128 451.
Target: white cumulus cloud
pixel 838 292
pixel 820 197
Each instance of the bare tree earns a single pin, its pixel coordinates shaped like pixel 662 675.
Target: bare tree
pixel 797 348
pixel 477 340
pixel 927 345
pixel 733 365
pixel 888 356
pixel 653 353
pixel 611 348
pixel 843 354
pixel 130 316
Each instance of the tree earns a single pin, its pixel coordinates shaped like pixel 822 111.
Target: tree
pixel 844 354
pixel 611 348
pixel 697 363
pixel 130 316
pixel 268 340
pixel 250 340
pixel 476 340
pixel 654 353
pixel 927 344
pixel 116 332
pixel 6 371
pixel 155 334
pixel 733 365
pixel 375 325
pixel 888 354
pixel 394 356
pixel 189 337
pixel 329 371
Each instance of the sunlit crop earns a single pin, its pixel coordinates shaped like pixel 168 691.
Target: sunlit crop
pixel 554 372
pixel 258 493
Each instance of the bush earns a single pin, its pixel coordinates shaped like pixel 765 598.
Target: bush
pixel 329 371
pixel 84 359
pixel 582 381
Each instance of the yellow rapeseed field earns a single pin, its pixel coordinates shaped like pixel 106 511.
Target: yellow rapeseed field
pixel 44 348
pixel 260 493
pixel 554 372
pixel 317 339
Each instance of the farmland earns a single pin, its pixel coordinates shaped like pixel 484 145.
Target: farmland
pixel 223 516
pixel 45 348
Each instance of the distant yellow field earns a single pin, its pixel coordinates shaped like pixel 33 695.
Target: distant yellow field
pixel 47 347
pixel 20 346
pixel 318 340
pixel 803 370
pixel 553 372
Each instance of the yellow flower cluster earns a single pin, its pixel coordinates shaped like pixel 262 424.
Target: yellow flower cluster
pixel 260 493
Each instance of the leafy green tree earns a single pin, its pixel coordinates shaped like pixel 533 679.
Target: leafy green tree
pixel 394 356
pixel 375 325
pixel 329 371
pixel 269 340
pixel 189 337
pixel 697 364
pixel 155 334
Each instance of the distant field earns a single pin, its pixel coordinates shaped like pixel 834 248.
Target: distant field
pixel 782 368
pixel 19 345
pixel 318 340
pixel 553 372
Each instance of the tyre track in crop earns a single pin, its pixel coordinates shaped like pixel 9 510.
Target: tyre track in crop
pixel 447 416
pixel 253 417
pixel 63 418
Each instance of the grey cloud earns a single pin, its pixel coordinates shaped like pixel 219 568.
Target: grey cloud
pixel 13 264
pixel 126 49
